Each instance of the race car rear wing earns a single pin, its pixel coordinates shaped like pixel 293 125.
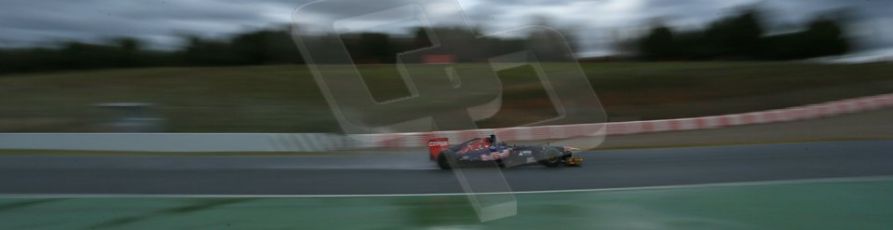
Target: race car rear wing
pixel 436 146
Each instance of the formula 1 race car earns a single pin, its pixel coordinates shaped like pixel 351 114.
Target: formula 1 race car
pixel 488 151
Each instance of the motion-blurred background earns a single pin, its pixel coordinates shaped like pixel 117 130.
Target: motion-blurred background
pixel 232 66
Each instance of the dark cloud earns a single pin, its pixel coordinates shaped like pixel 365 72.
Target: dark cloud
pixel 350 8
pixel 24 22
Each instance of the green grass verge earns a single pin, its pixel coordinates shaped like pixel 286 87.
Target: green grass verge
pixel 861 204
pixel 286 98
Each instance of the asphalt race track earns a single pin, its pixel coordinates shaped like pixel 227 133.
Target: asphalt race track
pixel 411 173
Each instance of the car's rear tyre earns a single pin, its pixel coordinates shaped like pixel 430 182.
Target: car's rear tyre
pixel 443 162
pixel 552 159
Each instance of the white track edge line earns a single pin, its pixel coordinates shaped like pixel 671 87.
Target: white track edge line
pixel 660 187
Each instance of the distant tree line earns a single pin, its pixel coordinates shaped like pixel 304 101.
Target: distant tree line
pixel 260 47
pixel 464 44
pixel 251 48
pixel 737 37
pixel 743 37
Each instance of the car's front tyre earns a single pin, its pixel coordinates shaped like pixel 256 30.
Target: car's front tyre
pixel 551 158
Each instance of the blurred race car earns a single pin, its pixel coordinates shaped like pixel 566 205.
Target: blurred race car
pixel 489 151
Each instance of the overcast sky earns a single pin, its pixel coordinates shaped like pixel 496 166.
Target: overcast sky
pixel 596 23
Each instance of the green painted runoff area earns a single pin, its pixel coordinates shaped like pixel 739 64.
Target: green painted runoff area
pixel 858 204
